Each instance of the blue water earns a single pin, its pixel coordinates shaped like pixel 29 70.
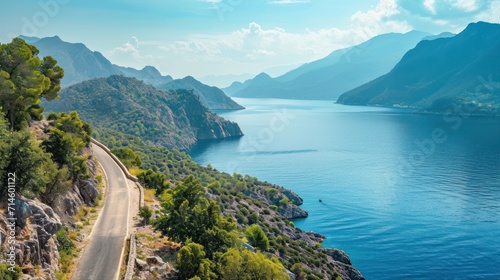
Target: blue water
pixel 400 203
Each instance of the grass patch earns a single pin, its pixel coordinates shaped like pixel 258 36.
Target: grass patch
pixel 135 171
pixel 149 195
pixel 67 253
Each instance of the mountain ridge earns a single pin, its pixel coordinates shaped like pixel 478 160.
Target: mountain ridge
pixel 81 64
pixel 461 69
pixel 341 70
pixel 174 119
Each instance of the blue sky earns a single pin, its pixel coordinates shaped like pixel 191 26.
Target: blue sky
pixel 220 37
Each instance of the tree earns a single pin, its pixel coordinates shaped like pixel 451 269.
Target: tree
pixel 68 137
pixel 188 215
pixel 128 157
pixel 145 213
pixel 56 181
pixel 191 262
pixel 154 180
pixel 256 237
pixel 24 80
pixel 22 155
pixel 245 265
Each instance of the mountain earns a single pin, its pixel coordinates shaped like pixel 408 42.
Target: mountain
pixel 223 80
pixel 340 71
pixel 442 73
pixel 81 64
pixel 212 97
pixel 174 119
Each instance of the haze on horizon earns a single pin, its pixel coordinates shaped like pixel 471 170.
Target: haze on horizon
pixel 221 37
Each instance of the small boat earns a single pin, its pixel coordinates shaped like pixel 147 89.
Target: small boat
pixel 320 200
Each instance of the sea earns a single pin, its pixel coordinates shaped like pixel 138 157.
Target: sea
pixel 405 195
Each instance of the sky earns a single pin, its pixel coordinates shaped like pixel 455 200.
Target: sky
pixel 231 37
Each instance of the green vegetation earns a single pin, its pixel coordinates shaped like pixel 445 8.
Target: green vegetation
pixel 43 170
pixel 235 195
pixel 128 157
pixel 191 262
pixel 243 264
pixel 188 215
pixel 6 274
pixel 145 213
pixel 257 238
pixel 68 136
pixel 154 180
pixel 174 119
pixel 24 80
pixel 67 253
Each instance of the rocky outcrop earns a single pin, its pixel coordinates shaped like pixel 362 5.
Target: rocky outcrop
pixel 292 211
pixel 219 129
pixel 88 190
pixel 36 244
pixel 153 268
pixel 337 255
pixel 342 264
pixel 292 197
pixel 37 225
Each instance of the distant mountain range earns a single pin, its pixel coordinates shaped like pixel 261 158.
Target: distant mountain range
pixel 212 97
pixel 333 75
pixel 463 70
pixel 81 64
pixel 174 119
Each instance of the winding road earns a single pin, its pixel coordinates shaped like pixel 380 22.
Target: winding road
pixel 101 257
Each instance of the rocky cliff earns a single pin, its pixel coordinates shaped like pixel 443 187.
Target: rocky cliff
pixel 36 225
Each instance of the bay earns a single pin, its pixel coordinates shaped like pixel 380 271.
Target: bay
pixel 405 195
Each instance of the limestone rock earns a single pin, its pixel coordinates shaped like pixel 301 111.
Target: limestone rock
pixel 291 211
pixel 142 265
pixel 337 255
pixel 23 212
pixel 88 190
pixel 155 260
pixel 45 217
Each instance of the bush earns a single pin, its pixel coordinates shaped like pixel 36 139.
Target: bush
pixel 6 274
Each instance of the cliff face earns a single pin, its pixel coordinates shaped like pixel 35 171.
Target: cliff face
pixel 175 119
pixel 36 246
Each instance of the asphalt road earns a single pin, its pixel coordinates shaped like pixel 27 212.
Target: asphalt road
pixel 101 257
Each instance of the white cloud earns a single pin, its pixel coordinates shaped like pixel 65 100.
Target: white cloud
pixel 492 14
pixel 465 5
pixel 378 20
pixel 254 48
pixel 430 5
pixel 130 51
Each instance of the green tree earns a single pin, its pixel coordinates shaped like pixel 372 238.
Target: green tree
pixel 191 262
pixel 22 155
pixel 128 157
pixel 256 237
pixel 69 135
pixel 145 213
pixel 245 265
pixel 24 80
pixel 61 146
pixel 187 214
pixel 154 180
pixel 57 181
